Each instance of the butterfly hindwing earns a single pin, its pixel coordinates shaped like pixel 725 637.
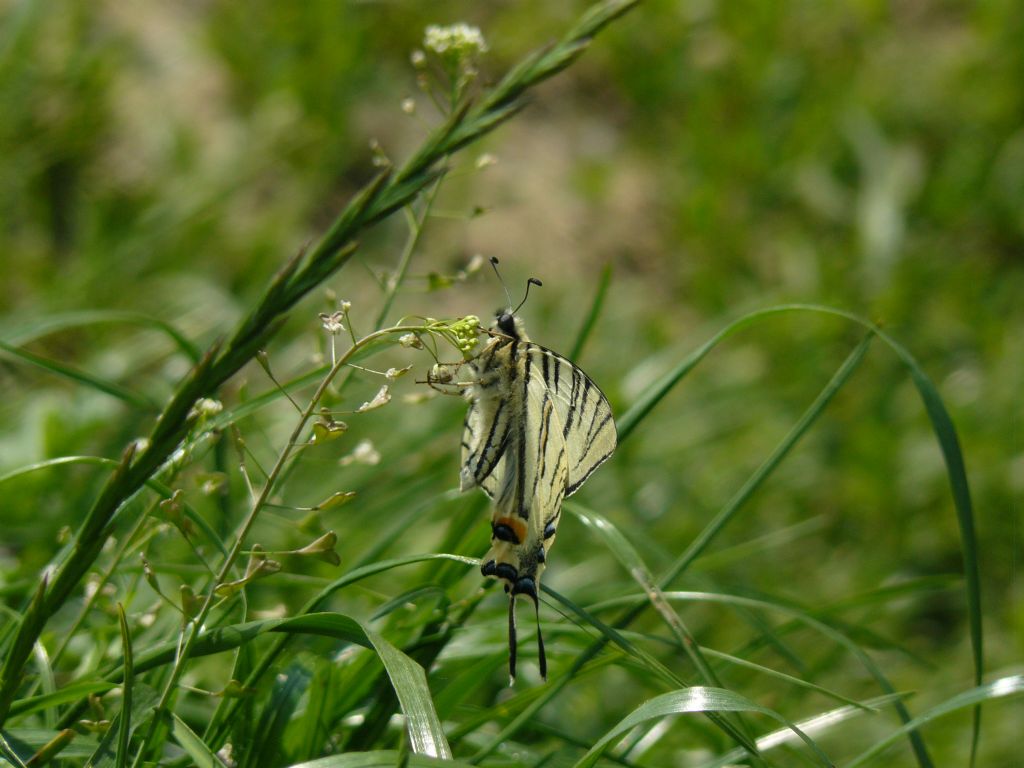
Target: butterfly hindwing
pixel 588 427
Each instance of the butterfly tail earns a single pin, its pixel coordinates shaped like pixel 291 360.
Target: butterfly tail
pixel 511 640
pixel 542 659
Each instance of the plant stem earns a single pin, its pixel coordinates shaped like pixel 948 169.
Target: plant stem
pixel 194 626
pixel 415 230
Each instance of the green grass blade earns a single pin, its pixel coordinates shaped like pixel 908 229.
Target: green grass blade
pixel 824 628
pixel 754 482
pixel 66 695
pixel 200 754
pixel 426 735
pixel 352 577
pixel 264 750
pixel 697 699
pixel 816 725
pixel 141 402
pixel 381 759
pixel 45 676
pixel 657 391
pixel 1012 686
pixel 125 724
pixel 596 305
pixel 31 619
pixel 20 744
pixel 7 752
pixel 945 432
pixel 108 753
pixel 153 484
pixel 616 638
pixel 37 328
pixel 799 682
pixel 98 461
pixel 630 559
pixel 610 634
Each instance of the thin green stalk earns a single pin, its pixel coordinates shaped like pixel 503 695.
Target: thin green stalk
pixel 193 627
pixel 125 727
pixel 104 579
pixel 415 231
pixel 596 305
pixel 390 288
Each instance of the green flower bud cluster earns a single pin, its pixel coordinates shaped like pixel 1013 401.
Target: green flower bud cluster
pixel 466 330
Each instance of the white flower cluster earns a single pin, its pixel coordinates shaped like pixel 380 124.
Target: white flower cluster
pixel 458 40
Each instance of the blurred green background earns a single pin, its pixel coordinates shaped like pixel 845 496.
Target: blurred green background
pixel 720 157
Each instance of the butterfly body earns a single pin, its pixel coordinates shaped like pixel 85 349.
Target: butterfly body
pixel 535 430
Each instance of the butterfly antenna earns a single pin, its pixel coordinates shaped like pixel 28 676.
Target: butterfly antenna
pixel 494 265
pixel 531 281
pixel 511 640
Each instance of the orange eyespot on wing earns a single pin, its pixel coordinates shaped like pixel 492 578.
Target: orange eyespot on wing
pixel 510 529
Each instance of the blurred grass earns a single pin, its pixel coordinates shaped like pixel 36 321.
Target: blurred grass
pixel 163 160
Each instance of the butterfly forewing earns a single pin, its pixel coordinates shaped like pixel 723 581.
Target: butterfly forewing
pixel 493 410
pixel 484 441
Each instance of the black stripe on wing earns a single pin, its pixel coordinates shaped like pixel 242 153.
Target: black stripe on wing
pixel 588 427
pixel 486 445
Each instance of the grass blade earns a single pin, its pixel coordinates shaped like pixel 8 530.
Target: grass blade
pixel 187 739
pixel 381 759
pixel 8 753
pixel 162 490
pixel 108 753
pixel 66 695
pixel 316 603
pixel 697 699
pixel 611 635
pixel 754 482
pixel 125 726
pixel 19 745
pixel 817 725
pixel 630 559
pixel 264 750
pixel 426 735
pixel 596 305
pixel 79 376
pixel 37 328
pixel 1012 686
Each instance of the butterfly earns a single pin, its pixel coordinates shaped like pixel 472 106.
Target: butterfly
pixel 537 427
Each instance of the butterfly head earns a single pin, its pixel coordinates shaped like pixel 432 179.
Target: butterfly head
pixel 508 324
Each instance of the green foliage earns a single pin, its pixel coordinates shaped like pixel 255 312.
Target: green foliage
pixel 809 520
